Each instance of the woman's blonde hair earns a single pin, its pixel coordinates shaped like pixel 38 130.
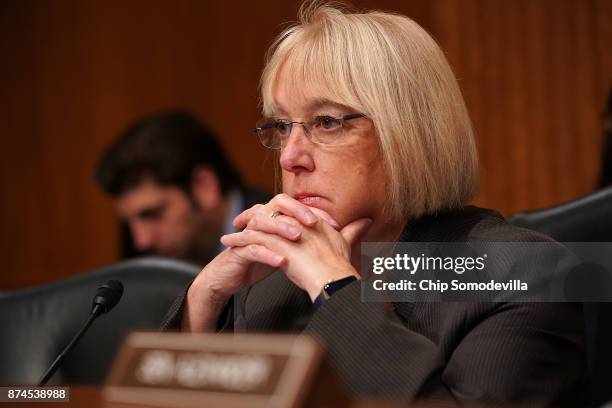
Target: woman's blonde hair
pixel 387 66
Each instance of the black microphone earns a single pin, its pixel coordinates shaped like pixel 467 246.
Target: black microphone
pixel 107 296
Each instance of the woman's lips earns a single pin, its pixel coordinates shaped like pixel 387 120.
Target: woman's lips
pixel 309 199
pixel 321 203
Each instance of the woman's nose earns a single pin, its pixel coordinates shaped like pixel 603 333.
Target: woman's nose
pixel 297 155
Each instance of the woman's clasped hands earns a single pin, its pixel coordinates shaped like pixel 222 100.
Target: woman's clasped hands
pixel 305 242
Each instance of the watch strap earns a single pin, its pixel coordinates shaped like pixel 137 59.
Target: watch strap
pixel 332 287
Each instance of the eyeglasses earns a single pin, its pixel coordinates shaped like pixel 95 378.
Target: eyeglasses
pixel 327 130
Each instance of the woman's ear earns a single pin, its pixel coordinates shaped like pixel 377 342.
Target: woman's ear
pixel 205 188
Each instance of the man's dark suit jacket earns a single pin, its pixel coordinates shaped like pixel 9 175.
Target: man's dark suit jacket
pixel 492 353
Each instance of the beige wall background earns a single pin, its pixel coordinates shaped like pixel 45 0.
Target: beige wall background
pixel 535 74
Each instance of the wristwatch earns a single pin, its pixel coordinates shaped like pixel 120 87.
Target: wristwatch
pixel 330 288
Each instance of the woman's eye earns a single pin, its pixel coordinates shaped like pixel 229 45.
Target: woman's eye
pixel 328 123
pixel 282 127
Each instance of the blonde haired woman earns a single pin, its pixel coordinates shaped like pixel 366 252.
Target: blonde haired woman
pixel 375 144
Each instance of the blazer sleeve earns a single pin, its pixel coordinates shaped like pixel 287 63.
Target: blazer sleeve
pixel 173 318
pixel 518 353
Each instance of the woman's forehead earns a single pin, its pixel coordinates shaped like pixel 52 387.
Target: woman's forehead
pixel 307 105
pixel 295 88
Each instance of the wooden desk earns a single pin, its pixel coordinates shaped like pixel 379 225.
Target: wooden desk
pixel 90 397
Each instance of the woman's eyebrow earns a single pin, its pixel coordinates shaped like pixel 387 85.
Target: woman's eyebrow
pixel 279 112
pixel 324 103
pixel 276 110
pixel 311 106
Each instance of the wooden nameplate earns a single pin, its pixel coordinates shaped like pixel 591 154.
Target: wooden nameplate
pixel 232 371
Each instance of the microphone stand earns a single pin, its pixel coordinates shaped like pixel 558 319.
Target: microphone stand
pixel 96 311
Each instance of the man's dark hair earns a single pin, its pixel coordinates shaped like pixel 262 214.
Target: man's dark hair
pixel 166 148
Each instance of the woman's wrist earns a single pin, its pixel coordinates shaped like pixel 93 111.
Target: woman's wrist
pixel 331 276
pixel 203 307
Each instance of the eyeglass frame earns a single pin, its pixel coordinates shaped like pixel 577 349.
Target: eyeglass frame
pixel 305 125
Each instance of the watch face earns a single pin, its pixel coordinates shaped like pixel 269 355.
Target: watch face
pixel 332 287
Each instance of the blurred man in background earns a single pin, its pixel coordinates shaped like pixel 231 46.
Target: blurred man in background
pixel 174 187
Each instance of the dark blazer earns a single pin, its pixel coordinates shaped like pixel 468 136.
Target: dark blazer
pixel 528 354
